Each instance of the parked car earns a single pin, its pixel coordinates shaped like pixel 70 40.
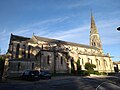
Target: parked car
pixel 45 74
pixel 30 75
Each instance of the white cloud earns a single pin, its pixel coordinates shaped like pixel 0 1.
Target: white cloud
pixel 107 30
pixel 46 22
pixel 78 35
pixel 3 34
pixel 75 4
pixel 21 31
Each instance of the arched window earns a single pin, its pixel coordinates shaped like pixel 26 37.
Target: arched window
pixel 18 66
pixel 42 47
pixel 17 50
pixel 32 66
pixel 61 60
pixel 91 61
pixel 24 51
pixel 29 47
pixel 88 60
pixel 82 61
pixel 94 44
pixel 99 62
pixel 12 48
pixel 48 59
pixel 105 62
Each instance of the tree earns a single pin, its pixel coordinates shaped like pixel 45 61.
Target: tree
pixel 2 61
pixel 78 66
pixel 90 68
pixel 72 66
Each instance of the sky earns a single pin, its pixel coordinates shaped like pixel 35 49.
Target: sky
pixel 67 20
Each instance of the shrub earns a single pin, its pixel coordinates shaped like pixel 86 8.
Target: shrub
pixel 90 68
pixel 84 73
pixel 78 66
pixel 96 73
pixel 103 73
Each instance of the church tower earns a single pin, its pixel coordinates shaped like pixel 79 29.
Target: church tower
pixel 94 35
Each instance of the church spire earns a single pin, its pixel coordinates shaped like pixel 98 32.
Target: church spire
pixel 94 35
pixel 93 26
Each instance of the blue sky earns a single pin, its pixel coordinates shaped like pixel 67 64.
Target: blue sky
pixel 67 20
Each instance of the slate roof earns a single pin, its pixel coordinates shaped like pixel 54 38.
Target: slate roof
pixel 21 38
pixel 18 38
pixel 63 42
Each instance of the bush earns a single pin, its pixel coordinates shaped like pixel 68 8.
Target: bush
pixel 89 67
pixel 1 58
pixel 103 73
pixel 78 66
pixel 96 73
pixel 84 73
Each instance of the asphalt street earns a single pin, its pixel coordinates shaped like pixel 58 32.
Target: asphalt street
pixel 65 83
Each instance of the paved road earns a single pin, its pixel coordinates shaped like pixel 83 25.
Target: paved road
pixel 66 83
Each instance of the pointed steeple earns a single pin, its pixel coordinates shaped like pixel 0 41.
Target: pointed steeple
pixel 93 26
pixel 94 35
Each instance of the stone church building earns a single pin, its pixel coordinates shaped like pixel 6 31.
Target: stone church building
pixel 57 56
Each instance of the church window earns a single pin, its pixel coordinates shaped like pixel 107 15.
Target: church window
pixel 12 47
pixel 32 66
pixel 18 68
pixel 42 46
pixel 61 60
pixel 99 62
pixel 82 61
pixel 24 51
pixel 29 47
pixel 17 50
pixel 105 62
pixel 91 61
pixel 48 59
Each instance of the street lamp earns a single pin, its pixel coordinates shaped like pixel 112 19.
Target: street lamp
pixel 118 28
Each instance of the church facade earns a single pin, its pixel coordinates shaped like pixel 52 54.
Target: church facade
pixel 55 55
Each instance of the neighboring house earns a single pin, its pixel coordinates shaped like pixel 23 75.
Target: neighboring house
pixel 55 55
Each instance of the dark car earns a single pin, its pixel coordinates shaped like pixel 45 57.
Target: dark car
pixel 45 75
pixel 31 75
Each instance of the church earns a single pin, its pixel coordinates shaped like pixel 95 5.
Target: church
pixel 56 56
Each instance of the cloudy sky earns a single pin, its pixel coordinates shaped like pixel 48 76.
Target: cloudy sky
pixel 67 20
